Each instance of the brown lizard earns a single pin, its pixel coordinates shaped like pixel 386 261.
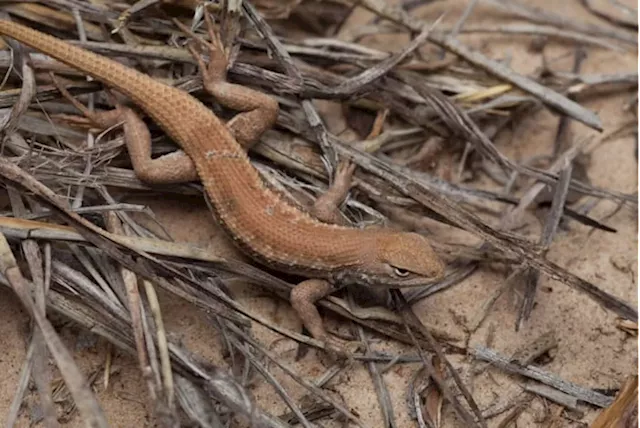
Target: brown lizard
pixel 264 225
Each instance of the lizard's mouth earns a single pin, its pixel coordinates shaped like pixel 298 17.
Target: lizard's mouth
pixel 383 281
pixel 418 281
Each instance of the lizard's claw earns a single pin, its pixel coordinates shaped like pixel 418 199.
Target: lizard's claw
pixel 216 42
pixel 216 69
pixel 337 349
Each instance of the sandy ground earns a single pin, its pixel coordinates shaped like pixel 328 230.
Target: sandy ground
pixel 592 352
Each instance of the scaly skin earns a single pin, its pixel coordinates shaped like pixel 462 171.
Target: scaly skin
pixel 262 224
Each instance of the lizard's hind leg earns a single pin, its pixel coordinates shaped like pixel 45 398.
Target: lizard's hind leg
pixel 258 111
pixel 174 167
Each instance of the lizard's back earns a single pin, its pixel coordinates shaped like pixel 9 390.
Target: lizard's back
pixel 269 228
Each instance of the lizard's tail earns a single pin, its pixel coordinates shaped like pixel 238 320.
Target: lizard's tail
pixel 135 85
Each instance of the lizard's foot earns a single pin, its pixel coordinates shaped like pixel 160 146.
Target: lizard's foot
pixel 216 70
pixel 327 207
pixel 102 119
pixel 338 350
pixel 344 176
pixel 303 298
pixel 344 173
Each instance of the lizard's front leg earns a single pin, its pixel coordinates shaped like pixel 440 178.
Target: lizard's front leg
pixel 327 207
pixel 306 294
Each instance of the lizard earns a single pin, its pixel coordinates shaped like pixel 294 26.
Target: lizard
pixel 265 226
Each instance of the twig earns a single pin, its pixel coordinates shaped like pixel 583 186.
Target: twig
pixel 549 97
pixel 545 17
pixel 565 400
pixel 550 228
pixel 74 379
pixel 412 320
pixel 533 372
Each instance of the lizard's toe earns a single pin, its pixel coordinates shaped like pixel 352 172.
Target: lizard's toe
pixel 337 350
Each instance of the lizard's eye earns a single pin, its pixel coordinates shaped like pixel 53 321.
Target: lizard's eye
pixel 401 272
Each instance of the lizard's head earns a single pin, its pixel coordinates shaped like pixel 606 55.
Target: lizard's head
pixel 397 259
